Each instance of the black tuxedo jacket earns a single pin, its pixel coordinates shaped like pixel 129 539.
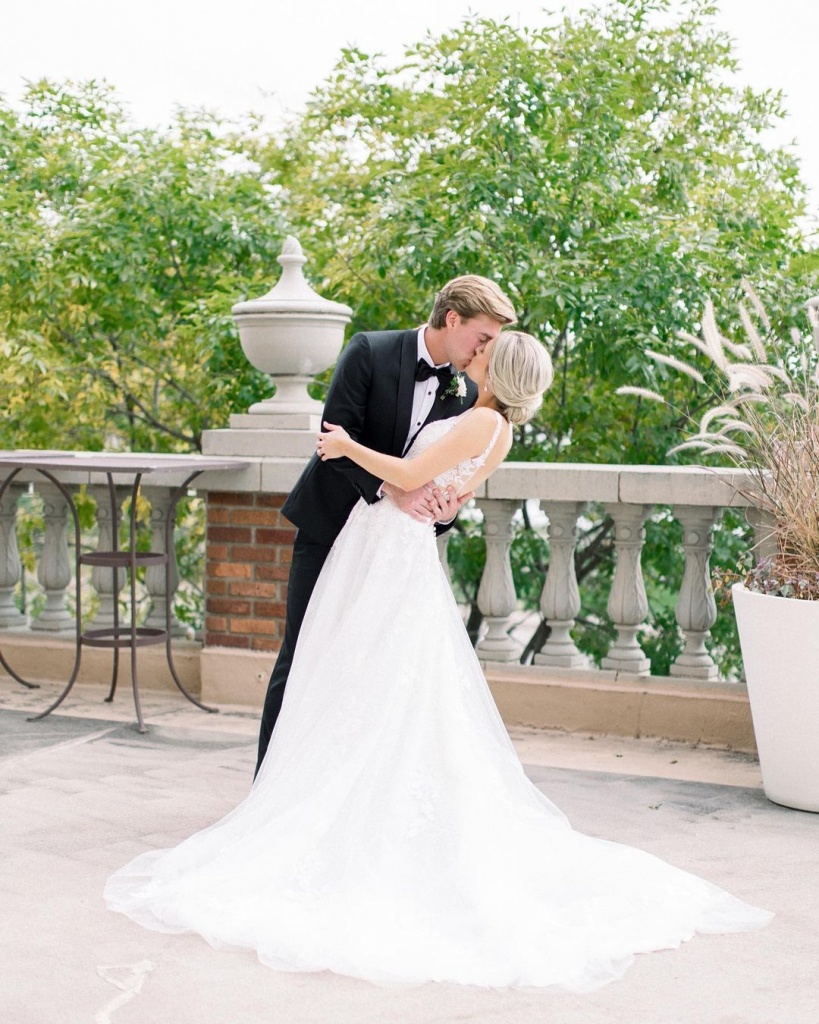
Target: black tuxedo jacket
pixel 370 395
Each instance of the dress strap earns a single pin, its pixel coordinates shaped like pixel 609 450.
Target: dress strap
pixel 480 459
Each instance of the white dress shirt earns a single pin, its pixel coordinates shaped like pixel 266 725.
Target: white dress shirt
pixel 423 396
pixel 425 390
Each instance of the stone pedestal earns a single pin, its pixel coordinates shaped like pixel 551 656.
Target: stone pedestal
pixel 249 548
pixel 696 609
pixel 292 334
pixel 106 581
pixel 156 582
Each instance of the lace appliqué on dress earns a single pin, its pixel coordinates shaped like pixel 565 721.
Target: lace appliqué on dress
pixel 458 475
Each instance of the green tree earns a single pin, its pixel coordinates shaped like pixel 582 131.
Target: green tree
pixel 121 252
pixel 605 170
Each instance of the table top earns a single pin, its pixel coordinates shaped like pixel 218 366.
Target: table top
pixel 115 462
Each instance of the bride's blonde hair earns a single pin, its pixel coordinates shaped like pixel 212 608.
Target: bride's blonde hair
pixel 519 372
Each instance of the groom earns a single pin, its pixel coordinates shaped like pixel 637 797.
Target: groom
pixel 386 386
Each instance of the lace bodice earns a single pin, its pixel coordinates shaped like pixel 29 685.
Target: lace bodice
pixel 458 475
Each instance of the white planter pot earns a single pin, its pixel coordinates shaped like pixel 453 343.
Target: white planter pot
pixel 779 637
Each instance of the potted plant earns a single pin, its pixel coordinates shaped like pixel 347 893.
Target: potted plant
pixel 766 421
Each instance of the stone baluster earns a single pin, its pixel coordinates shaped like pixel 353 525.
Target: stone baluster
pixel 696 608
pixel 627 604
pixel 11 568
pixel 155 581
pixel 54 570
pixel 496 594
pixel 560 598
pixel 107 582
pixel 763 524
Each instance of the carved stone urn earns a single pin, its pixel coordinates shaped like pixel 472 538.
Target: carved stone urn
pixel 291 333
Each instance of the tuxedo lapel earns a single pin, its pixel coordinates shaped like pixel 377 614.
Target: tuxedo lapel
pixel 406 390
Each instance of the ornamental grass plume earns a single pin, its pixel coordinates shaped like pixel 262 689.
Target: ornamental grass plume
pixel 766 420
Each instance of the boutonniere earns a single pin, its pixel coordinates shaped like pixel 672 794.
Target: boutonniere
pixel 457 387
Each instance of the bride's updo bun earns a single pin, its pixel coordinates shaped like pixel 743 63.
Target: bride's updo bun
pixel 520 370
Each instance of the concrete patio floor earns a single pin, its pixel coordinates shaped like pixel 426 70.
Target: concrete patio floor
pixel 81 792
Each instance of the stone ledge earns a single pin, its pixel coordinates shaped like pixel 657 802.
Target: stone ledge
pixel 232 676
pixel 50 659
pixel 681 710
pixel 685 710
pixel 276 459
pixel 260 443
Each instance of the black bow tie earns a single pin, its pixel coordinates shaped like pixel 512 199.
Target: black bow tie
pixel 423 371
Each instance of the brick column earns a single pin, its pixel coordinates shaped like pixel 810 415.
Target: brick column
pixel 249 547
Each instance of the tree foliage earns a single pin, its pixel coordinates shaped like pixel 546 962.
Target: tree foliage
pixel 605 169
pixel 610 175
pixel 121 252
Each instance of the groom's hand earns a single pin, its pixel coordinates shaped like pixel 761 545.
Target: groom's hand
pixel 415 503
pixel 445 503
pixel 427 504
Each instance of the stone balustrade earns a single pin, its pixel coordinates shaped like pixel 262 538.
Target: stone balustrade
pixel 292 333
pixel 56 557
pixel 245 586
pixel 628 494
pixel 248 551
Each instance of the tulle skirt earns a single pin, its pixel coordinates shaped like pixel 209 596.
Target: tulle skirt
pixel 391 833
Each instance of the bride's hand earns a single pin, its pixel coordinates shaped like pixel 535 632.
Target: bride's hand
pixel 428 504
pixel 330 442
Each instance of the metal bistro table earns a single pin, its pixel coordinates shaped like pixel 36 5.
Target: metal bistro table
pixel 133 466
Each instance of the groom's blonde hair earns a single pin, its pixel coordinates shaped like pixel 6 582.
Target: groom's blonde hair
pixel 470 296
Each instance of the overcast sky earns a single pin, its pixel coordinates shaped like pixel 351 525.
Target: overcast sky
pixel 266 55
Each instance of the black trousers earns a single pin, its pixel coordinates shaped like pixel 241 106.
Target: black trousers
pixel 308 558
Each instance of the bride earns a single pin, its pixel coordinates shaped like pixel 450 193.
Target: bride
pixel 391 833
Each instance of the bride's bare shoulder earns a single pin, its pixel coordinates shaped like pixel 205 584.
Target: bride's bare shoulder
pixel 488 420
pixel 491 431
pixel 484 417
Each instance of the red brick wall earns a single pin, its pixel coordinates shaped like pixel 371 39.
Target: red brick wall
pixel 249 546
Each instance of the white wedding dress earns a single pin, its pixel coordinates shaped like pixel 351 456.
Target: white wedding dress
pixel 391 833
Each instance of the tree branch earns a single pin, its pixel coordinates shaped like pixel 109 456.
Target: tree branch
pixel 591 556
pixel 129 398
pixel 177 268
